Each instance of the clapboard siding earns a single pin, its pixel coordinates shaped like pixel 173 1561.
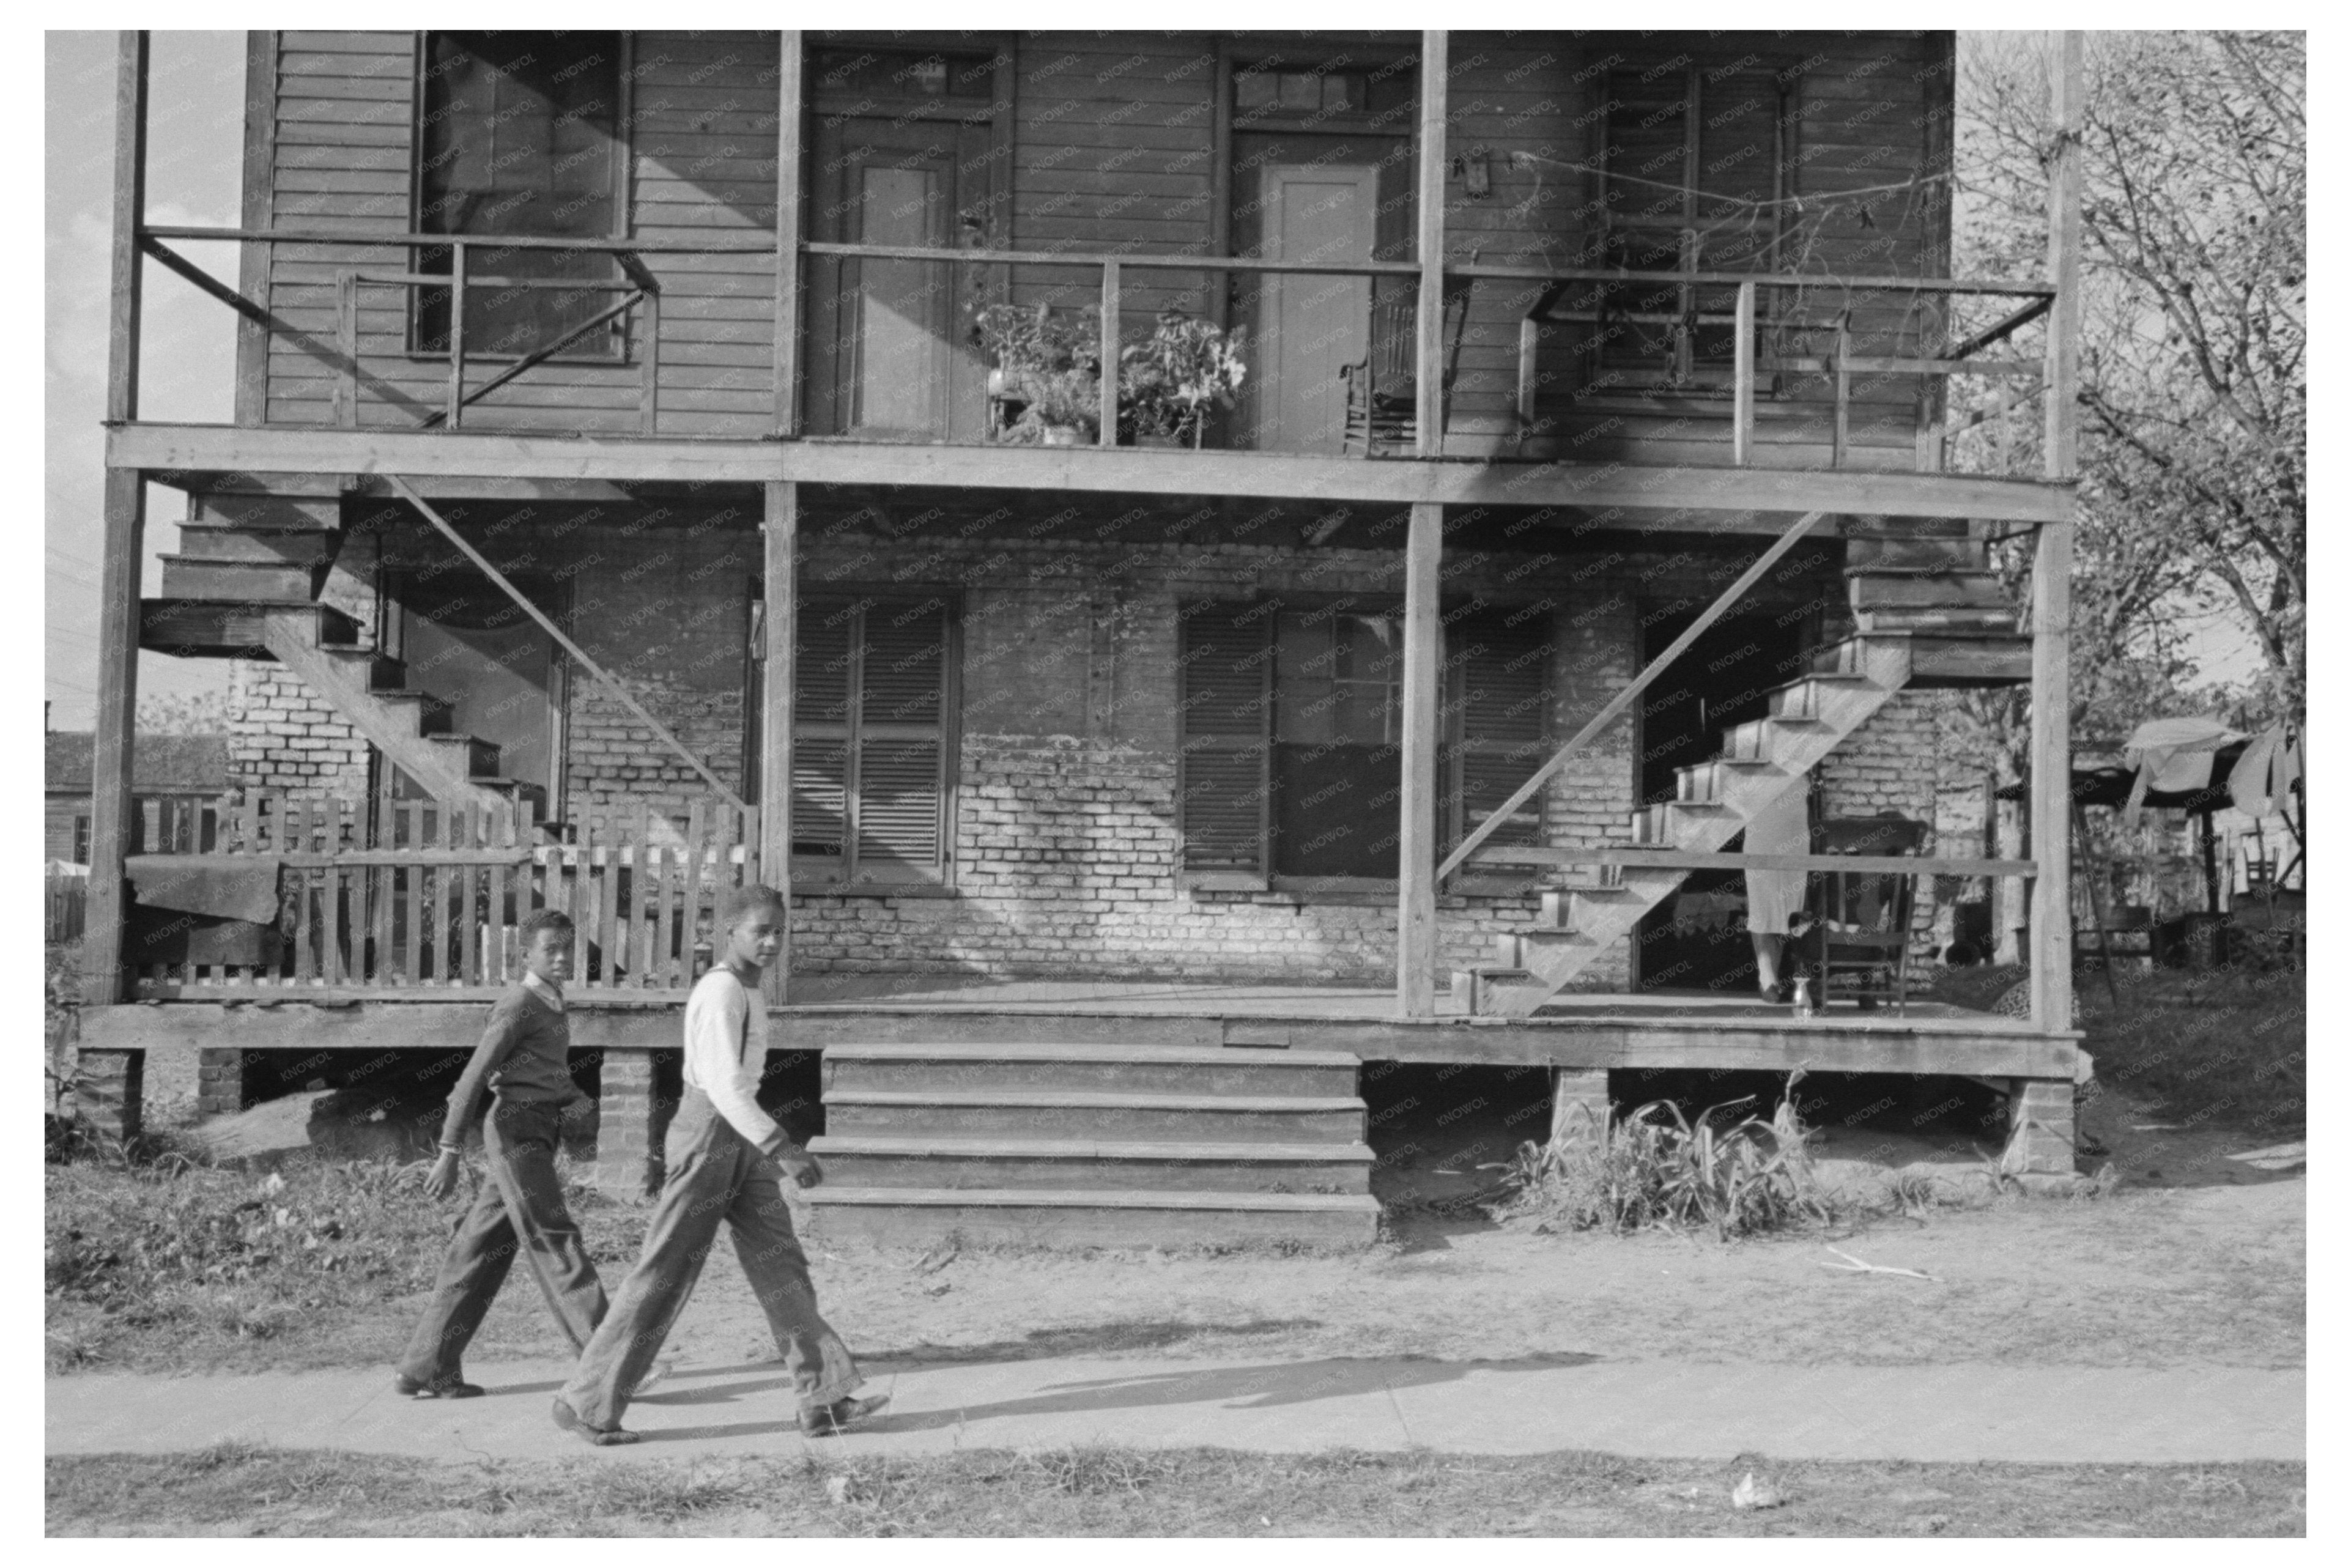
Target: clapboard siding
pixel 1113 145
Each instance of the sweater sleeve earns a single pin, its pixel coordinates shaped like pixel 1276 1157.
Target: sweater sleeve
pixel 715 1016
pixel 498 1038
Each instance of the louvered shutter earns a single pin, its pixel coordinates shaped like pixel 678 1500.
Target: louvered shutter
pixel 823 675
pixel 1497 719
pixel 901 744
pixel 1224 662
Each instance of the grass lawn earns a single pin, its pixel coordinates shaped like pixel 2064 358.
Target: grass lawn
pixel 1115 1491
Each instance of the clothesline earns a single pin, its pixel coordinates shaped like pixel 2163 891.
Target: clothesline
pixel 1796 203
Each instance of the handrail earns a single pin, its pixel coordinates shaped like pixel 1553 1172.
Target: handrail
pixel 415 237
pixel 1647 857
pixel 1616 707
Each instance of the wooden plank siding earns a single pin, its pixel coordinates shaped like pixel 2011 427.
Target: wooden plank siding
pixel 1114 144
pixel 703 134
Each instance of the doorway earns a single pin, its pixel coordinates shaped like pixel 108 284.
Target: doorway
pixel 1697 940
pixel 888 358
pixel 1306 325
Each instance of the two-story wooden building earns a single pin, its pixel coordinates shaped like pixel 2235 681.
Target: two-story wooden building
pixel 622 502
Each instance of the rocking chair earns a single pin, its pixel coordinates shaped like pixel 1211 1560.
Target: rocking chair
pixel 1383 393
pixel 1859 944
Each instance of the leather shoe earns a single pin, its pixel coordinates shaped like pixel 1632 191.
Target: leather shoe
pixel 826 1420
pixel 452 1388
pixel 601 1437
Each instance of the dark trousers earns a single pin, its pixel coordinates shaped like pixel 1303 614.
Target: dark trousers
pixel 713 1176
pixel 520 1209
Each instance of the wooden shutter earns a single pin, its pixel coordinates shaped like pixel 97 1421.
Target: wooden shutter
pixel 1497 719
pixel 1224 682
pixel 901 741
pixel 824 669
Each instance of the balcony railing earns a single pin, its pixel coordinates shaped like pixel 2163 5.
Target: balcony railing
pixel 1986 429
pixel 423 897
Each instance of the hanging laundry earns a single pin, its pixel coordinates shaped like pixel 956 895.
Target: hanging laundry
pixel 2172 755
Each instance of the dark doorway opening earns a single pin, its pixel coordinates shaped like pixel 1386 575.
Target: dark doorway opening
pixel 1697 940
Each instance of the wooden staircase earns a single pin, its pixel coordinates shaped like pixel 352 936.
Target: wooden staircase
pixel 245 585
pixel 1118 1145
pixel 1714 801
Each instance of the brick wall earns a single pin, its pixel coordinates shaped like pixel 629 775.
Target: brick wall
pixel 1891 763
pixel 282 735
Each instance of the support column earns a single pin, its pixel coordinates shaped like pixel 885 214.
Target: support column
pixel 220 1081
pixel 2039 1128
pixel 1579 1104
pixel 112 827
pixel 107 1090
pixel 2052 565
pixel 1428 405
pixel 1416 825
pixel 781 534
pixel 629 1124
pixel 791 116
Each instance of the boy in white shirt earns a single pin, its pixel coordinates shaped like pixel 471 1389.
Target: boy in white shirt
pixel 718 1154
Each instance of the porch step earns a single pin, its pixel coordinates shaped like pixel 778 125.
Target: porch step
pixel 1936 618
pixel 303 547
pixel 1090 1068
pixel 1092 1216
pixel 1093 1143
pixel 1043 1113
pixel 1892 552
pixel 475 757
pixel 1073 1162
pixel 1909 590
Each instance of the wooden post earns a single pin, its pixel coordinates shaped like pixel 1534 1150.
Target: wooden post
pixel 777 676
pixel 1109 389
pixel 792 83
pixel 1743 377
pixel 1416 824
pixel 1429 338
pixel 2052 565
pixel 111 830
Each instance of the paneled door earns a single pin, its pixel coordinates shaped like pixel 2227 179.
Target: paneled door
pixel 1307 324
pixel 889 350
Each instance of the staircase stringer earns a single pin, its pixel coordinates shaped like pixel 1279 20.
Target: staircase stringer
pixel 1601 918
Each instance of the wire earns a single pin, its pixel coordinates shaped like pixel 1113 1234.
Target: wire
pixel 1797 203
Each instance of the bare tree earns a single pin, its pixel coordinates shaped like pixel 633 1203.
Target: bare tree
pixel 2194 453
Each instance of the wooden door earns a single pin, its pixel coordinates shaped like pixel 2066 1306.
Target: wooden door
pixel 889 355
pixel 1306 325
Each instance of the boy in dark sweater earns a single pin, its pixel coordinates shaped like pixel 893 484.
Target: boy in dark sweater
pixel 523 1061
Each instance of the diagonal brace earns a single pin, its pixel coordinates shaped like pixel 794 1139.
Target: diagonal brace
pixel 1631 694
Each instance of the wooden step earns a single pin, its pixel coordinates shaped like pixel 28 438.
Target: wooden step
pixel 270 582
pixel 432 715
pixel 1936 619
pixel 292 546
pixel 476 758
pixel 1766 740
pixel 1524 947
pixel 1075 1163
pixel 1087 1216
pixel 1964 659
pixel 204 629
pixel 1121 1117
pixel 1711 780
pixel 1135 1069
pixel 299 514
pixel 1879 552
pixel 1925 589
pixel 1811 696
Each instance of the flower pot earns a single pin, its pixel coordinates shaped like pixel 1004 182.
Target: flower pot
pixel 1065 435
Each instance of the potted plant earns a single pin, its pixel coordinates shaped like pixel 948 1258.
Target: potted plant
pixel 1048 369
pixel 1168 382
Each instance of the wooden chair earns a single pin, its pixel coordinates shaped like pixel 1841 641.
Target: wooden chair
pixel 1859 944
pixel 1383 393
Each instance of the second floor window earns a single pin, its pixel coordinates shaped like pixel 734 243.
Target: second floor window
pixel 872 752
pixel 520 134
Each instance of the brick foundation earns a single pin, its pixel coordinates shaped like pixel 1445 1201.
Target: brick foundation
pixel 107 1088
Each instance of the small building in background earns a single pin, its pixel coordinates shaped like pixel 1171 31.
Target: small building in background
pixel 166 769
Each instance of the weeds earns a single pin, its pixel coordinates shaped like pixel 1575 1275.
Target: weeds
pixel 1657 1167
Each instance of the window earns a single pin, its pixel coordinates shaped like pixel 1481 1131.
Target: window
pixel 1292 736
pixel 520 135
pixel 1689 150
pixel 872 741
pixel 81 841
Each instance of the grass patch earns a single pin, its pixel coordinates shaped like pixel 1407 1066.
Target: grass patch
pixel 1104 1491
pixel 153 1264
pixel 2224 1046
pixel 1736 1174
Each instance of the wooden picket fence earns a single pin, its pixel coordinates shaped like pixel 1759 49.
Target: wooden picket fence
pixel 425 898
pixel 65 897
